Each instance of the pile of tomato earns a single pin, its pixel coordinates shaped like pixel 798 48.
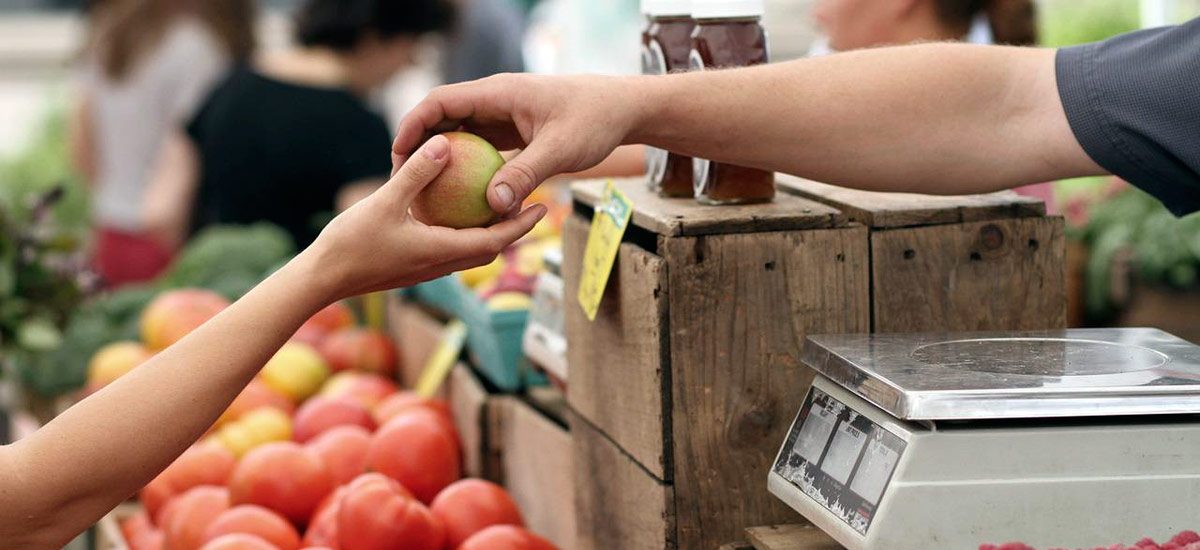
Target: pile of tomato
pixel 1186 540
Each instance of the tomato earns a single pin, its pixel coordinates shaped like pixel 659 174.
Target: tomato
pixel 344 450
pixel 237 541
pixel 150 539
pixel 317 328
pixel 365 387
pixel 406 401
pixel 135 525
pixel 360 349
pixel 202 464
pixel 257 521
pixel 284 477
pixel 506 537
pixel 378 514
pixel 195 511
pixel 415 449
pixel 322 530
pixel 322 413
pixel 154 497
pixel 470 505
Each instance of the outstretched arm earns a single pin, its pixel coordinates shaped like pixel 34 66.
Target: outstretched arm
pixel 63 478
pixel 931 118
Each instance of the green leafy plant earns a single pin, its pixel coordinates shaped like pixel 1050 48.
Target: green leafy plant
pixel 1162 249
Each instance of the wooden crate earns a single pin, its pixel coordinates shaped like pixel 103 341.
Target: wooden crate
pixel 684 385
pixel 416 332
pixel 535 465
pixel 472 407
pixel 975 262
pixel 790 537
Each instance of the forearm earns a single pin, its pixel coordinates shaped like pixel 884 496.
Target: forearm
pixel 933 118
pixel 107 446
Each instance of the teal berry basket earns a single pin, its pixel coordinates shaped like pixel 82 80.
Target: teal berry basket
pixel 494 341
pixel 444 294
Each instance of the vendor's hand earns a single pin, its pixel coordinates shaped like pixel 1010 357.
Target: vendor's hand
pixel 376 244
pixel 562 123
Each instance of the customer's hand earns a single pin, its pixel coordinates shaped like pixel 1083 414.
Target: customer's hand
pixel 376 244
pixel 562 123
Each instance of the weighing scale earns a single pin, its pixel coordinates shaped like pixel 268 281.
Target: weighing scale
pixel 1059 438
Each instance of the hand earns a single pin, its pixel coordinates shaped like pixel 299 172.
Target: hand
pixel 376 244
pixel 562 123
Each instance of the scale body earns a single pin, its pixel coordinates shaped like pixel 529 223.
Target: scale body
pixel 1076 438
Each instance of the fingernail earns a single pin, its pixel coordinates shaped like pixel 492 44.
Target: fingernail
pixel 505 194
pixel 436 148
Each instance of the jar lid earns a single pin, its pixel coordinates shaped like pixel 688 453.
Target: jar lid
pixel 666 7
pixel 715 9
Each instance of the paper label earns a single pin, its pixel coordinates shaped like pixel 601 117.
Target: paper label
pixel 604 239
pixel 438 366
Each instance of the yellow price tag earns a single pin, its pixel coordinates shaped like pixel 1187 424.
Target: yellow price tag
pixel 608 225
pixel 442 359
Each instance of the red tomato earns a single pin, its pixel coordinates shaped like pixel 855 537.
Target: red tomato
pixel 415 449
pixel 407 401
pixel 135 524
pixel 378 514
pixel 238 541
pixel 284 477
pixel 255 395
pixel 154 497
pixel 360 349
pixel 365 387
pixel 322 413
pixel 195 511
pixel 468 506
pixel 150 539
pixel 325 322
pixel 322 530
pixel 344 450
pixel 257 521
pixel 202 464
pixel 506 537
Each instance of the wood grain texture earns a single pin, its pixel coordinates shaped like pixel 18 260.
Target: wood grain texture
pixel 618 504
pixel 469 404
pixel 536 459
pixel 790 537
pixel 994 275
pixel 416 332
pixel 880 210
pixel 676 217
pixel 617 362
pixel 740 308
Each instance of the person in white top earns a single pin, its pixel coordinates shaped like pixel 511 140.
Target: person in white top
pixel 147 65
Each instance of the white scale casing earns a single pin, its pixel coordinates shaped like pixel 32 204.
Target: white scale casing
pixel 1064 438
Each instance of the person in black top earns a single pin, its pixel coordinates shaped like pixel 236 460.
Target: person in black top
pixel 289 138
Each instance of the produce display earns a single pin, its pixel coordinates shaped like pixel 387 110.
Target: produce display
pixel 1186 540
pixel 321 449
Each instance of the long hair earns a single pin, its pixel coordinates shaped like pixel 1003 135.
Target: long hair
pixel 1013 22
pixel 123 32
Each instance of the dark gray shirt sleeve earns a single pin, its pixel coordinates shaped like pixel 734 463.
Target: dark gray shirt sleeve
pixel 1133 102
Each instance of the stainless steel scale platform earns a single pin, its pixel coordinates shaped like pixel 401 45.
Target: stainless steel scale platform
pixel 1070 438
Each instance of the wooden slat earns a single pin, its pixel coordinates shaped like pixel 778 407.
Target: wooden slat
pixel 417 334
pixel 740 308
pixel 675 217
pixel 996 275
pixel 790 537
pixel 879 210
pixel 536 458
pixel 469 405
pixel 617 361
pixel 618 504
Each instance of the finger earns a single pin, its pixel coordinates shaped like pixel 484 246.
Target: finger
pixel 418 171
pixel 492 240
pixel 519 176
pixel 443 110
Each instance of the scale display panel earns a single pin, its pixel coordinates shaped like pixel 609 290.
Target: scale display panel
pixel 839 458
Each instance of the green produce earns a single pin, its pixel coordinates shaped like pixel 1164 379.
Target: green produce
pixel 229 259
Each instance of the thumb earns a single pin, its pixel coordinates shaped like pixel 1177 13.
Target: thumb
pixel 521 174
pixel 418 170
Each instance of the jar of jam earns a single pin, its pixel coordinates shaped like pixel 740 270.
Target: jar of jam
pixel 729 33
pixel 666 46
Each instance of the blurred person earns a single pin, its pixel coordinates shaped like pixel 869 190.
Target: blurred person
pixel 146 66
pixel 855 24
pixel 486 40
pixel 289 138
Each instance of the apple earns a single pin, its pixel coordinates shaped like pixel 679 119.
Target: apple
pixel 457 197
pixel 296 370
pixel 114 360
pixel 175 313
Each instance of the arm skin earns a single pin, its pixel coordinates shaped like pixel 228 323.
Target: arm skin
pixel 63 478
pixel 930 118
